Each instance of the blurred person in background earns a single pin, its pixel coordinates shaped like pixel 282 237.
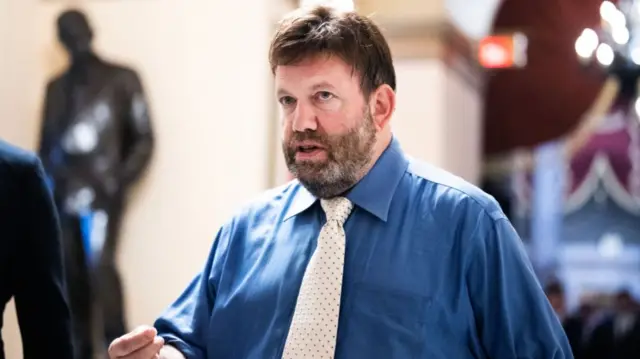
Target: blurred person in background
pixel 432 267
pixel 577 325
pixel 618 335
pixel 556 297
pixel 580 325
pixel 31 257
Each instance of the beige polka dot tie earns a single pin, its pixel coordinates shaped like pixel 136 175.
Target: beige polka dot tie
pixel 315 321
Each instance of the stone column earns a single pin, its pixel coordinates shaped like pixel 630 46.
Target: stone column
pixel 438 116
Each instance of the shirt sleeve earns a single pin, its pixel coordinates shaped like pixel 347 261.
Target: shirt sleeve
pixel 513 316
pixel 184 323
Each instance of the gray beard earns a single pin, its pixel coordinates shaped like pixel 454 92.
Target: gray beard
pixel 347 158
pixel 329 188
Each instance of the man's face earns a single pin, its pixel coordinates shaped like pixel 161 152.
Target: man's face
pixel 557 302
pixel 624 303
pixel 329 134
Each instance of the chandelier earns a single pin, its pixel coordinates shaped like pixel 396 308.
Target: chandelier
pixel 615 45
pixel 618 35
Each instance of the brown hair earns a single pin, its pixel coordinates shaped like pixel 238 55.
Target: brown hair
pixel 321 30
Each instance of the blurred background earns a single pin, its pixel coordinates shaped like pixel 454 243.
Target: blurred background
pixel 534 101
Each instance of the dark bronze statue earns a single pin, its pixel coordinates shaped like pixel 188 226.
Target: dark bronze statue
pixel 96 140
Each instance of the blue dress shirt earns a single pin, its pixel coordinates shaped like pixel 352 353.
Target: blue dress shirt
pixel 433 269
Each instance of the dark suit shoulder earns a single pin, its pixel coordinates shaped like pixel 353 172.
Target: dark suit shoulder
pixel 12 156
pixel 15 164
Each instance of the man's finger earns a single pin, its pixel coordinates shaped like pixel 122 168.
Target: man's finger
pixel 132 341
pixel 148 352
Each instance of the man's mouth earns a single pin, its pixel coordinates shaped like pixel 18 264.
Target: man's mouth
pixel 310 152
pixel 308 149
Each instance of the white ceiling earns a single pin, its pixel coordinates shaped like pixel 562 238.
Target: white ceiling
pixel 473 17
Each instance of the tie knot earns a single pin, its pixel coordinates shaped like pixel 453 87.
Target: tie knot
pixel 337 209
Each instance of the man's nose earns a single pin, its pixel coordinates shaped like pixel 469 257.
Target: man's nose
pixel 304 119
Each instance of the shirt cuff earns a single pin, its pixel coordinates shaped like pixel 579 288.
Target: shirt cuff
pixel 182 347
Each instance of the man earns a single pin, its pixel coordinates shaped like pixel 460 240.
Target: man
pixel 618 335
pixel 574 324
pixel 30 257
pixel 431 269
pixel 556 297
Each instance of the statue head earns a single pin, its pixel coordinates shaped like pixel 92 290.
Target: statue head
pixel 75 33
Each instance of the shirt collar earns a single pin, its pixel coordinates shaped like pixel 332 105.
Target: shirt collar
pixel 373 193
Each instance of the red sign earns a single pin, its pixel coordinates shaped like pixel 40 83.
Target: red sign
pixel 502 51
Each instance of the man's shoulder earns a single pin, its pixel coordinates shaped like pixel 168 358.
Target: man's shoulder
pixel 16 166
pixel 445 188
pixel 13 157
pixel 269 205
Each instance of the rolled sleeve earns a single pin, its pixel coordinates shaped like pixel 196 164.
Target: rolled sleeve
pixel 513 316
pixel 184 324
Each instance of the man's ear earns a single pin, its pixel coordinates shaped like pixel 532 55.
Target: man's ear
pixel 382 103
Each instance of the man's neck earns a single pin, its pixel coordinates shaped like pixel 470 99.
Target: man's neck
pixel 382 142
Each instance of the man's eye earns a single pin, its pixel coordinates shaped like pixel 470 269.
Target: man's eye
pixel 324 95
pixel 287 100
